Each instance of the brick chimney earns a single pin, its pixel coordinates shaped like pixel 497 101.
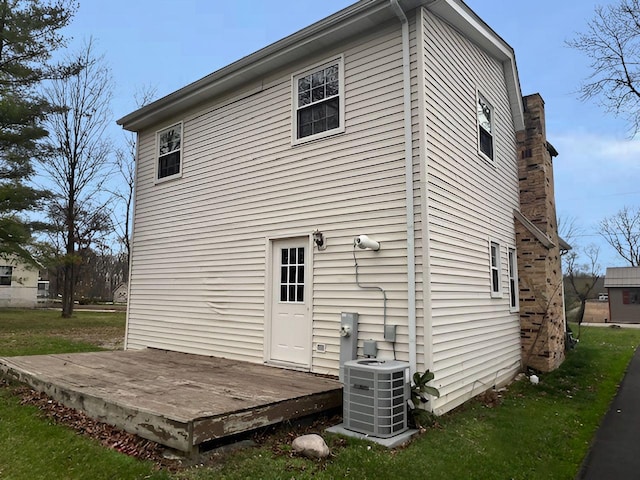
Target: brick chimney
pixel 542 320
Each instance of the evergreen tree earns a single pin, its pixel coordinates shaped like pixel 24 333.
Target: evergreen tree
pixel 29 33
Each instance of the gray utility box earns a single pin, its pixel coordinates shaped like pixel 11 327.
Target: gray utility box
pixel 375 397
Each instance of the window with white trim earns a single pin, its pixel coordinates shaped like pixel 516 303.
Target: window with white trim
pixel 485 126
pixel 513 281
pixel 169 141
pixel 5 275
pixel 318 101
pixel 494 249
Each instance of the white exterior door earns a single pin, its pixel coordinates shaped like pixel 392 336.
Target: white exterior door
pixel 290 340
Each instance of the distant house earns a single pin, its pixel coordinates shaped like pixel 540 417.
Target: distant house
pixel 623 287
pixel 120 293
pixel 43 290
pixel 18 284
pixel 402 120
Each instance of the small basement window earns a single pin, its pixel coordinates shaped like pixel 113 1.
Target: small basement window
pixel 485 127
pixel 5 276
pixel 319 101
pixel 169 141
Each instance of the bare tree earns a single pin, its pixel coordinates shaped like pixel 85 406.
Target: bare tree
pixel 583 276
pixel 622 232
pixel 568 230
pixel 612 43
pixel 78 163
pixel 125 164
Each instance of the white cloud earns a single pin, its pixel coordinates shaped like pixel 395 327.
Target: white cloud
pixel 589 149
pixel 595 176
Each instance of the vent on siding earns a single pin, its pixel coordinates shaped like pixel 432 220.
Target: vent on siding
pixel 375 397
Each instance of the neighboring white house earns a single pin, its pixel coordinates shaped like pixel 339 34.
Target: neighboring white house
pixel 120 293
pixel 397 120
pixel 18 284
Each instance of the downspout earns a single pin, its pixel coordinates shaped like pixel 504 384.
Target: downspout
pixel 408 158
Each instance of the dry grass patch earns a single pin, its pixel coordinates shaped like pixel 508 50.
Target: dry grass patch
pixel 596 312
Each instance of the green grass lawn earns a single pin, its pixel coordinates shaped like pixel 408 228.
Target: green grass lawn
pixel 32 447
pixel 35 332
pixel 535 432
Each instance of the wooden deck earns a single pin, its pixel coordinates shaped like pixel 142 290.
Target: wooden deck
pixel 176 399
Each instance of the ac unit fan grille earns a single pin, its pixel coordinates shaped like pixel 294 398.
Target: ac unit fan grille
pixel 375 398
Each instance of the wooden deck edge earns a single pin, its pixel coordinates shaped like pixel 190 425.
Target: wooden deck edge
pixel 165 431
pixel 212 428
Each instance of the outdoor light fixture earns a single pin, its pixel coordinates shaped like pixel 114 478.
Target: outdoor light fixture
pixel 318 239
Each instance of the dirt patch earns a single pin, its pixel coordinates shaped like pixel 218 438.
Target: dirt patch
pixel 490 398
pixel 596 312
pixel 109 338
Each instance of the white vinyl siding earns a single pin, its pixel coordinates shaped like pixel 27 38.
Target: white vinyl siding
pixel 475 339
pixel 243 183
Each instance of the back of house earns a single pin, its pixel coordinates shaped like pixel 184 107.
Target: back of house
pixel 392 119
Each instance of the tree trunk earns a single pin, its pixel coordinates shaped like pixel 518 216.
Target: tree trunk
pixel 583 304
pixel 67 290
pixel 68 286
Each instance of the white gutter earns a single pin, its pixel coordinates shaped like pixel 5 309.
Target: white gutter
pixel 408 158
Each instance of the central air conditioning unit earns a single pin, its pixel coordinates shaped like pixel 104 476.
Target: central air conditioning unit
pixel 375 397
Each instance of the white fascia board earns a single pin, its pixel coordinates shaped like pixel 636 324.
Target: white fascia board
pixel 358 17
pixel 346 23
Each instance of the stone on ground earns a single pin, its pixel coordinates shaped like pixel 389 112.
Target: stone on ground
pixel 312 446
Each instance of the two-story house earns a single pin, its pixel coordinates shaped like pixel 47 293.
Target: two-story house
pixel 401 120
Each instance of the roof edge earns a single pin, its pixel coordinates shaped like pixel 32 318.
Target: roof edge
pixel 130 121
pixel 535 231
pixel 250 67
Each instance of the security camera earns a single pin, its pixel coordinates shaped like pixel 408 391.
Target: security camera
pixel 363 242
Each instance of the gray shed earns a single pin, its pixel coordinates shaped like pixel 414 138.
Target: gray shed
pixel 623 285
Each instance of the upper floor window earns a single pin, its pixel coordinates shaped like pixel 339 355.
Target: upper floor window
pixel 319 101
pixel 513 281
pixel 485 127
pixel 494 249
pixel 5 275
pixel 169 141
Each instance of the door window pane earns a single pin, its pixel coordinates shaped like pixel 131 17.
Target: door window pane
pixel 292 274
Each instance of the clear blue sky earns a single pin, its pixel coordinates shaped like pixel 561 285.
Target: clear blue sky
pixel 168 44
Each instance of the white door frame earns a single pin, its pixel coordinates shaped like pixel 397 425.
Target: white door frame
pixel 269 292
